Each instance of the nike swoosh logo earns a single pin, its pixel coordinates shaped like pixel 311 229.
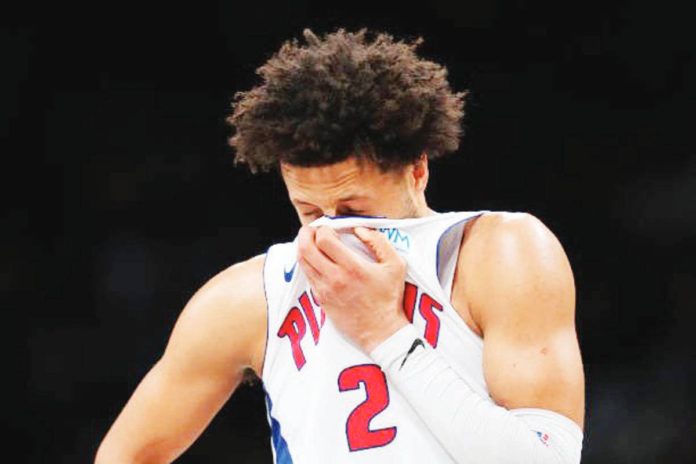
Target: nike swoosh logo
pixel 288 274
pixel 416 343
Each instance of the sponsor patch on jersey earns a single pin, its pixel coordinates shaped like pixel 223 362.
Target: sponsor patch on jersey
pixel 401 240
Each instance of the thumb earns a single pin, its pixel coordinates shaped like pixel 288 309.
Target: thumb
pixel 380 246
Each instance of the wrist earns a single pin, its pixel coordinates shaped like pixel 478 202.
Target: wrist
pixel 369 344
pixel 395 346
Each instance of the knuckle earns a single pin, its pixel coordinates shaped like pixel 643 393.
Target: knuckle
pixel 354 272
pixel 401 265
pixel 322 237
pixel 302 247
pixel 318 295
pixel 307 232
pixel 338 283
pixel 324 292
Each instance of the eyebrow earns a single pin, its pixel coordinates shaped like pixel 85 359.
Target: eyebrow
pixel 346 198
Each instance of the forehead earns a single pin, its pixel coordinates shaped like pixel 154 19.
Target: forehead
pixel 351 175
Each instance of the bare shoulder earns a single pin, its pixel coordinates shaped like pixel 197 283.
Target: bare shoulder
pixel 224 322
pixel 505 224
pixel 508 256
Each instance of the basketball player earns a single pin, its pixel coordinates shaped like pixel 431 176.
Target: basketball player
pixel 386 332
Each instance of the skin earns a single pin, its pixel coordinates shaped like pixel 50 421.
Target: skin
pixel 513 286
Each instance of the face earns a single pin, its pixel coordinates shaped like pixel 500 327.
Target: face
pixel 354 187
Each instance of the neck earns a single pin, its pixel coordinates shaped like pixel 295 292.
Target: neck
pixel 426 211
pixel 420 209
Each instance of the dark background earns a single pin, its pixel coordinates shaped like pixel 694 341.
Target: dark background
pixel 120 197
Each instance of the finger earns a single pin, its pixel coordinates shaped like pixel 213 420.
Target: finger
pixel 330 244
pixel 313 278
pixel 307 249
pixel 379 244
pixel 312 274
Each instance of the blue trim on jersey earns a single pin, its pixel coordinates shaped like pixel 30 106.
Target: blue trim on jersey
pixel 279 444
pixel 268 311
pixel 439 240
pixel 354 216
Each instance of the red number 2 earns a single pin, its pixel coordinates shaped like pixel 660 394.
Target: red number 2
pixel 358 431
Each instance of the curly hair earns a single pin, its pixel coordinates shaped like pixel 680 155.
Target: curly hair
pixel 343 96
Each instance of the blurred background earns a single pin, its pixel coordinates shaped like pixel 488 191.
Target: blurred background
pixel 120 197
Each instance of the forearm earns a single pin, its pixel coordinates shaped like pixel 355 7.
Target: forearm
pixel 115 451
pixel 109 457
pixel 467 425
pixel 161 419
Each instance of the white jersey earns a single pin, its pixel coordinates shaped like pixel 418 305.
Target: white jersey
pixel 326 400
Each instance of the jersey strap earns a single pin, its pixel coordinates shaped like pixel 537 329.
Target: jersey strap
pixel 447 250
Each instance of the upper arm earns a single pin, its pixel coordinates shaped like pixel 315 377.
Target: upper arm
pixel 216 337
pixel 522 295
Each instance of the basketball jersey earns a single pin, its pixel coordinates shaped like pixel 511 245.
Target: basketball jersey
pixel 326 400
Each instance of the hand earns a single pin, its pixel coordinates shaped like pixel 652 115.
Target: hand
pixel 363 299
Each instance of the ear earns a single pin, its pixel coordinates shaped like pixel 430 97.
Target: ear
pixel 420 172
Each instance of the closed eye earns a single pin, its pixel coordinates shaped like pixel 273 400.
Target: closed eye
pixel 313 213
pixel 338 213
pixel 350 212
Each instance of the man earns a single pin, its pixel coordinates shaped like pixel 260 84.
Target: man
pixel 386 332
